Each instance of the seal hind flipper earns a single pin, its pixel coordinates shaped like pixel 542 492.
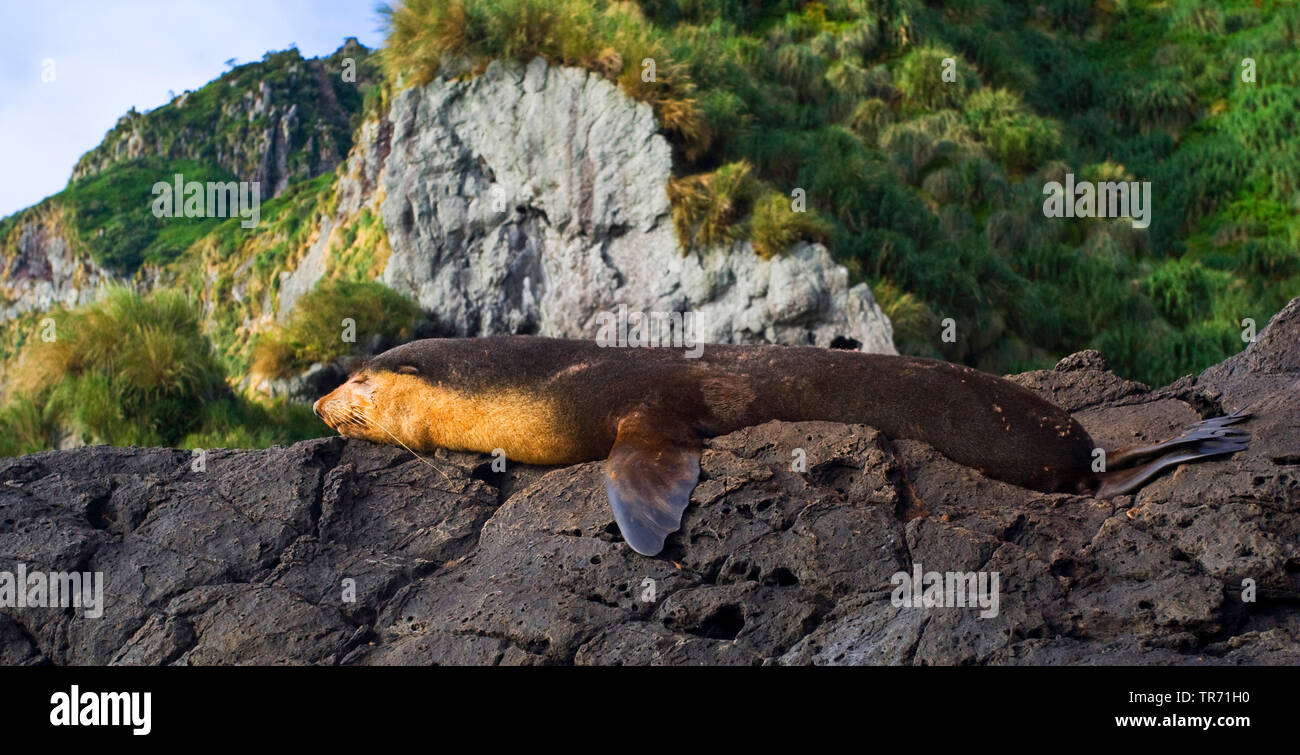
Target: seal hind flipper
pixel 1123 481
pixel 1215 428
pixel 649 476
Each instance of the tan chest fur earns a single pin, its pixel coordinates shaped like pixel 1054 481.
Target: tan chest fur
pixel 527 427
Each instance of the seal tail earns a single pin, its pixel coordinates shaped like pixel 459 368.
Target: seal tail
pixel 1210 437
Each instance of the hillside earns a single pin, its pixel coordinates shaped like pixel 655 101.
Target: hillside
pixel 926 188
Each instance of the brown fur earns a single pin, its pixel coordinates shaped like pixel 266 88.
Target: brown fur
pixel 645 411
pixel 553 401
pixel 425 417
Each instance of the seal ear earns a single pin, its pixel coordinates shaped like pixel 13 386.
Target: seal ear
pixel 649 476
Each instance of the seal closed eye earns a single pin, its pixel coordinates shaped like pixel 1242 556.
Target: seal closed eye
pixel 645 412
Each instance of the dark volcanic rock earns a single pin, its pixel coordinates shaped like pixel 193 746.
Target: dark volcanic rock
pixel 335 551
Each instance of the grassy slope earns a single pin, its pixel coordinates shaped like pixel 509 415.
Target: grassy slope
pixel 1150 94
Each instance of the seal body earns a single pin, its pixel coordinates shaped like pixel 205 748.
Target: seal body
pixel 645 410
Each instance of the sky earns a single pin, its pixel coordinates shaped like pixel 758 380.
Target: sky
pixel 107 56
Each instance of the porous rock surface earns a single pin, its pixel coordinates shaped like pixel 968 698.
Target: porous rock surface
pixel 343 552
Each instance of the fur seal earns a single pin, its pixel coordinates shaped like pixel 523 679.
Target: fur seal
pixel 646 410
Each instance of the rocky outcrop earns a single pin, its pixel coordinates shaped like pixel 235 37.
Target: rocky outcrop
pixel 275 121
pixel 44 270
pixel 531 199
pixel 343 552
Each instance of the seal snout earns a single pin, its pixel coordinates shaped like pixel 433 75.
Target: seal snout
pixel 325 408
pixel 348 408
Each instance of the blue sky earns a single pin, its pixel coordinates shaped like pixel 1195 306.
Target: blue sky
pixel 111 55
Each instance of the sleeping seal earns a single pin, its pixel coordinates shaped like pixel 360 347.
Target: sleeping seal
pixel 646 410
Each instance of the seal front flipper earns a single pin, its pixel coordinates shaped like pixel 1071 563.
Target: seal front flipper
pixel 649 476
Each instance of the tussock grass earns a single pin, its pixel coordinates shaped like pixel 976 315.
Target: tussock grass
pixel 870 119
pixel 127 370
pixel 708 207
pixel 431 38
pixel 911 318
pixel 133 370
pixel 315 331
pixel 920 79
pixel 776 226
pixel 1017 138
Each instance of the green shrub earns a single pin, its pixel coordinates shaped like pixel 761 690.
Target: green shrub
pixel 317 328
pixel 1270 259
pixel 921 79
pixel 1018 139
pixel 776 225
pixel 24 427
pixel 126 370
pixel 132 370
pixel 798 67
pixel 707 208
pixel 870 119
pixel 1181 290
pixel 914 324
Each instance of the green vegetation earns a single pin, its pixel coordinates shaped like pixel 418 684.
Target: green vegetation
pixel 113 214
pixel 729 205
pixel 919 134
pixel 931 189
pixel 315 332
pixel 363 250
pixel 133 370
pixel 708 208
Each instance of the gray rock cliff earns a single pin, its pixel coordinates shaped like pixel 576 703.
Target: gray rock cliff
pixel 45 271
pixel 529 199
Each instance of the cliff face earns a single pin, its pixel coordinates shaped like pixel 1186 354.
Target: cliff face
pixel 43 269
pixel 530 198
pixel 335 551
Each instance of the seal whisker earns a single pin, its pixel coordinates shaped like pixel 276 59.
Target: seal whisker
pixel 364 420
